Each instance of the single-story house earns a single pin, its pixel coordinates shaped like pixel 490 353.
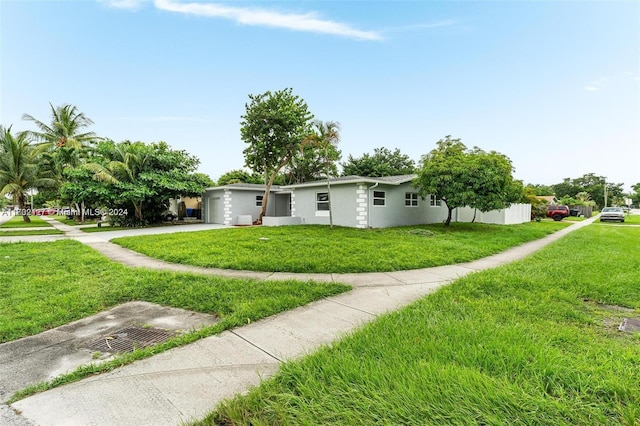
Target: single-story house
pixel 548 199
pixel 356 201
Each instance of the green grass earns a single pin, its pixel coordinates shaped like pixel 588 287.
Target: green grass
pixel 321 249
pixel 79 282
pixel 18 222
pixel 10 233
pixel 104 229
pixel 533 342
pixel 574 219
pixel 73 222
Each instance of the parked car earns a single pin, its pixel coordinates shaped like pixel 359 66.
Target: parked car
pixel 612 213
pixel 44 212
pixel 169 216
pixel 557 212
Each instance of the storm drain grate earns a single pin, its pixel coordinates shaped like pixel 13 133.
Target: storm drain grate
pixel 127 339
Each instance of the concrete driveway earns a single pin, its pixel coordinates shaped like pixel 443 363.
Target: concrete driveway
pixel 167 229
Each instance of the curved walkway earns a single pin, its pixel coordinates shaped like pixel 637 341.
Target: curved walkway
pixel 185 383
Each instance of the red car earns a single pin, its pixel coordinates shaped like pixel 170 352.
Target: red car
pixel 557 213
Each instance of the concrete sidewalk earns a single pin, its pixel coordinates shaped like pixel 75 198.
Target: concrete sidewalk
pixel 185 383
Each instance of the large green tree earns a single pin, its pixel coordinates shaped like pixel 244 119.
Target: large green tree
pixel 635 196
pixel 64 144
pixel 142 178
pixel 20 174
pixel 462 177
pixel 596 186
pixel 273 127
pixel 383 162
pixel 66 128
pixel 492 182
pixel 239 176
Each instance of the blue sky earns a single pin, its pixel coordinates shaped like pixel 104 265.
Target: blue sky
pixel 554 85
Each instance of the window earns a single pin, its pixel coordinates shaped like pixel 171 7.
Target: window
pixel 434 201
pixel 378 198
pixel 259 200
pixel 411 199
pixel 322 201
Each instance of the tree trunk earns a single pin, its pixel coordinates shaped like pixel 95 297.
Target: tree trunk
pixel 474 215
pixel 267 190
pixel 448 221
pixel 23 208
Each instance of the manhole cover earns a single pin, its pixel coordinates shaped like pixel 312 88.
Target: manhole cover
pixel 630 325
pixel 127 339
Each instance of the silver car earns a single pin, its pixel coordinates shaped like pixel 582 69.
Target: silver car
pixel 612 213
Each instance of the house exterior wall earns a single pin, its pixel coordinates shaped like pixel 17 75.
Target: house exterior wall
pixel 353 205
pixel 395 212
pixel 343 205
pixel 231 203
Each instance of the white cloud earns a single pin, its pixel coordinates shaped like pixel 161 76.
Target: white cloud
pixel 308 22
pixel 596 84
pixel 124 4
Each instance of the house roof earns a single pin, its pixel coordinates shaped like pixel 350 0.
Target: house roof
pixel 548 198
pixel 387 180
pixel 244 187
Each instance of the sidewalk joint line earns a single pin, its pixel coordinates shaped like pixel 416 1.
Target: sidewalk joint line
pixel 330 299
pixel 256 346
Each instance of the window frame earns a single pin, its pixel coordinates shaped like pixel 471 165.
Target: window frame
pixel 259 199
pixel 378 198
pixel 434 201
pixel 319 202
pixel 411 199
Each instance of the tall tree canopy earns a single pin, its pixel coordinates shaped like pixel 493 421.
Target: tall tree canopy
pixel 239 176
pixel 383 162
pixel 317 156
pixel 635 196
pixel 273 127
pixel 143 177
pixel 65 135
pixel 462 177
pixel 593 185
pixel 20 174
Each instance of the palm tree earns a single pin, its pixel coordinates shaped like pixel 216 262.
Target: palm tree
pixel 130 159
pixel 63 140
pixel 65 128
pixel 19 171
pixel 325 138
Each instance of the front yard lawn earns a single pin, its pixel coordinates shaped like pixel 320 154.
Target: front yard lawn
pixel 533 342
pixel 321 249
pixel 10 233
pixel 18 222
pixel 79 282
pixel 73 222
